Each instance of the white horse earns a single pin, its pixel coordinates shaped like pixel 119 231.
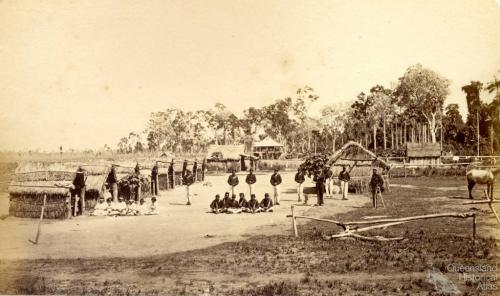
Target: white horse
pixel 477 176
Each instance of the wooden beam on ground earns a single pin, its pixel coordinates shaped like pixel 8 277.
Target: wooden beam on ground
pixel 430 216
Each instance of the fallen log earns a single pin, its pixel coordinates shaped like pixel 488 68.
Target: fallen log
pixel 430 216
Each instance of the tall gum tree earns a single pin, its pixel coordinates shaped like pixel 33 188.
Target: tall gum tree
pixel 423 90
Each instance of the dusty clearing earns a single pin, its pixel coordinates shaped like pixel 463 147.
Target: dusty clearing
pixel 177 228
pixel 260 257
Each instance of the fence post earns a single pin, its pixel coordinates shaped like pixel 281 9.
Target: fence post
pixel 294 222
pixel 473 228
pixel 404 166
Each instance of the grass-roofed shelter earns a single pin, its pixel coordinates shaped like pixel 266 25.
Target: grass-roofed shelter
pixel 423 153
pixel 34 180
pixel 361 162
pixel 228 157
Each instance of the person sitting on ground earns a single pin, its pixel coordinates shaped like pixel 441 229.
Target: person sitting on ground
pixel 110 207
pixel 131 208
pixel 253 204
pixel 120 207
pixel 266 204
pixel 100 208
pixel 243 203
pixel 234 206
pixel 142 208
pixel 153 207
pixel 217 205
pixel 226 200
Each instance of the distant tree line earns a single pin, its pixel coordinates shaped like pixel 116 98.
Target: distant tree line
pixel 384 119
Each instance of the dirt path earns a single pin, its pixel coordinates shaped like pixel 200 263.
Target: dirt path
pixel 177 228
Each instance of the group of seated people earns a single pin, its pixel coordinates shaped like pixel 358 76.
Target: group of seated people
pixel 122 208
pixel 231 205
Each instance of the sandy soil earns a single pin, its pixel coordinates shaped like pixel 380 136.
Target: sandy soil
pixel 177 228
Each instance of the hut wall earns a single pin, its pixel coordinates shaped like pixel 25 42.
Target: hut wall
pixel 30 206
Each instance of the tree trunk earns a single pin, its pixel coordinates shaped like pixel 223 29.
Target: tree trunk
pixel 374 137
pixel 432 127
pixel 392 136
pixel 404 134
pixel 333 143
pixel 385 140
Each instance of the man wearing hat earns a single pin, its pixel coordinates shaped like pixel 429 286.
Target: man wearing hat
pixel 250 180
pixel 79 190
pixel 344 179
pixel 376 185
pixel 276 181
pixel 112 182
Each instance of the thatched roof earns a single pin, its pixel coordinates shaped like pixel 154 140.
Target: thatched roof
pixel 423 150
pixel 54 178
pixel 353 152
pixel 268 142
pixel 225 152
pixel 40 187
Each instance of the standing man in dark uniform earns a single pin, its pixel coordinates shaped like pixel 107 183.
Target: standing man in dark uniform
pixel 79 190
pixel 203 168
pixel 300 178
pixel 276 181
pixel 250 180
pixel 233 181
pixel 329 181
pixel 184 167
pixel 320 185
pixel 188 181
pixel 137 169
pixel 112 182
pixel 154 179
pixel 195 170
pixel 344 179
pixel 376 185
pixel 171 177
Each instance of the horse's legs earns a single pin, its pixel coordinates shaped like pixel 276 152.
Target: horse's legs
pixel 490 190
pixel 470 186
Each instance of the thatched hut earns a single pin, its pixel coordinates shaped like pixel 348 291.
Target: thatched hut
pixel 423 153
pixel 32 181
pixel 230 157
pixel 361 162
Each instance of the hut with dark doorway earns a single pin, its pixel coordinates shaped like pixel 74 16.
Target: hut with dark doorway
pixel 423 153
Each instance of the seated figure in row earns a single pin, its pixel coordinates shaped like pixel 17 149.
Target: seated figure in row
pixel 233 206
pixel 121 208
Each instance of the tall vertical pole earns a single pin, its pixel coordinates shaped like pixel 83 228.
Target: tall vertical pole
pixel 477 120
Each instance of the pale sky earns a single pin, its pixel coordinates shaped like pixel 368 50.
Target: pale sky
pixel 82 74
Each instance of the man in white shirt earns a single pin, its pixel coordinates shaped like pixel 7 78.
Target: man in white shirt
pixel 153 207
pixel 100 208
pixel 120 207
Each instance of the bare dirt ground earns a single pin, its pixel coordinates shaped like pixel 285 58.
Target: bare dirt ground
pixel 177 228
pixel 260 257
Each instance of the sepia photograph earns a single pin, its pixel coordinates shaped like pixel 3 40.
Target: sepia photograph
pixel 253 148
